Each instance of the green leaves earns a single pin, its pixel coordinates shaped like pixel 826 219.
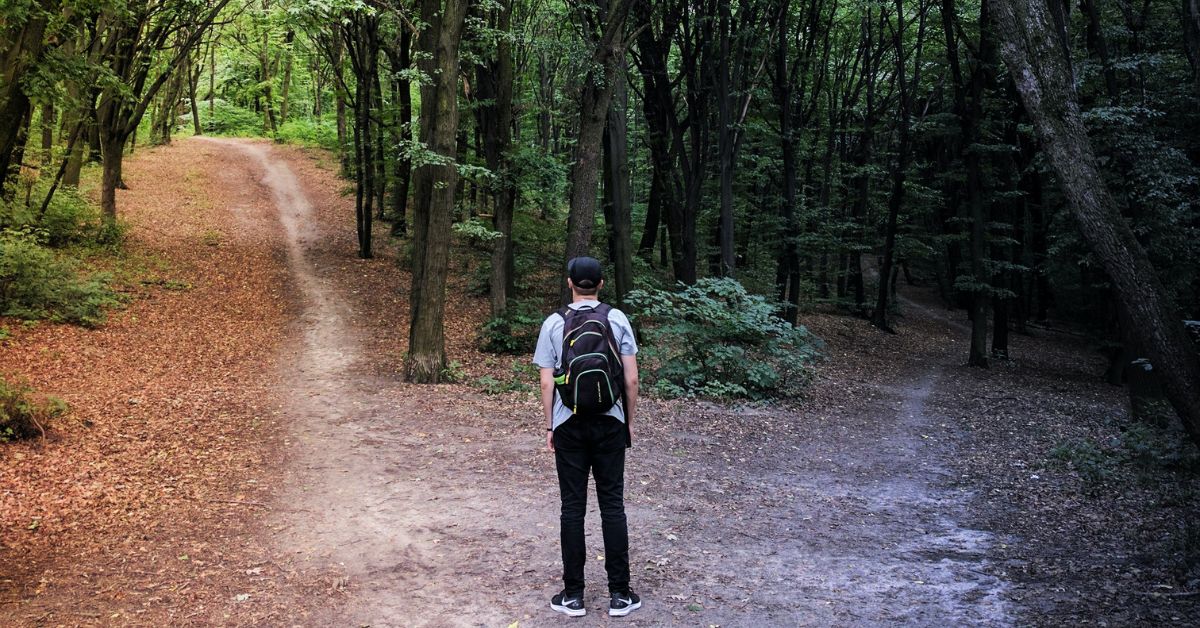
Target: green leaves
pixel 714 339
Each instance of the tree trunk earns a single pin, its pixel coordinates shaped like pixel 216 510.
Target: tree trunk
pixel 1035 57
pixel 426 358
pixel 286 88
pixel 19 52
pixel 593 114
pixel 1191 39
pixel 47 133
pixel 494 82
pixel 193 79
pixel 618 209
pixel 725 98
pixel 111 160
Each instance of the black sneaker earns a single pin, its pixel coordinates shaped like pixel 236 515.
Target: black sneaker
pixel 623 604
pixel 571 605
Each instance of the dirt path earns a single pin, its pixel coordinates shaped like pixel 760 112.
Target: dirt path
pixel 440 509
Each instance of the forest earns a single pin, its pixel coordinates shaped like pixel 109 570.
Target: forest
pixel 1020 167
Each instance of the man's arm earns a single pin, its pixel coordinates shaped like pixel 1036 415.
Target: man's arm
pixel 629 364
pixel 547 380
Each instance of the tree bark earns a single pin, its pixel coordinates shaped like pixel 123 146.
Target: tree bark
pixel 618 208
pixel 1191 39
pixel 494 80
pixel 426 358
pixel 21 49
pixel 593 114
pixel 1035 57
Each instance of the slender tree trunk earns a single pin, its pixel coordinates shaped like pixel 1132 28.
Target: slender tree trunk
pixel 725 99
pixel 286 88
pixel 1035 57
pixel 193 78
pixel 619 207
pixel 495 85
pixel 47 133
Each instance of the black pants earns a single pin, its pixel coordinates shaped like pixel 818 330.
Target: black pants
pixel 595 444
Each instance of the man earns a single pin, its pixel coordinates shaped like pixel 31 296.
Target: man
pixel 590 442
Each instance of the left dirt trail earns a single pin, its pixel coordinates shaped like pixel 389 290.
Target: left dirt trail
pixel 340 507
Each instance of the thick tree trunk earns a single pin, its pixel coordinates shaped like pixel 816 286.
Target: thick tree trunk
pixel 1035 57
pixel 426 358
pixel 20 49
pixel 112 155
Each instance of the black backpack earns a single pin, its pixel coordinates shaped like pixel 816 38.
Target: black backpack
pixel 590 379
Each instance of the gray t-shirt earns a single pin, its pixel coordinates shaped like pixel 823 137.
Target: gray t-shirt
pixel 549 346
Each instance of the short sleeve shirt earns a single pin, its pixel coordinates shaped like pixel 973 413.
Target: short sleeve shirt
pixel 549 347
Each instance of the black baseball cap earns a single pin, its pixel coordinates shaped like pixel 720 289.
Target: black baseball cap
pixel 584 272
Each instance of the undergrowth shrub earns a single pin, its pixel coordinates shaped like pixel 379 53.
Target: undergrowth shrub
pixel 22 414
pixel 318 133
pixel 229 119
pixel 514 332
pixel 37 283
pixel 1140 446
pixel 69 219
pixel 714 339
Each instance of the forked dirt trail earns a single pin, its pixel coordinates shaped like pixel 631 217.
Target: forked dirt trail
pixel 439 507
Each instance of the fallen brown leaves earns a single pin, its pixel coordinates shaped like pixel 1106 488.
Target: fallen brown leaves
pixel 139 507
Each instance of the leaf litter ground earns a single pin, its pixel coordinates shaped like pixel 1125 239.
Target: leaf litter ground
pixel 243 452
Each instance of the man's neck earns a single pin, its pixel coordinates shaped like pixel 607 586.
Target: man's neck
pixel 579 298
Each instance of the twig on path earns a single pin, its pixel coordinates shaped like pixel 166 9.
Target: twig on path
pixel 1165 594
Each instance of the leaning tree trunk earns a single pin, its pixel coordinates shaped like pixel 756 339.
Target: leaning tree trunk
pixel 593 114
pixel 1035 56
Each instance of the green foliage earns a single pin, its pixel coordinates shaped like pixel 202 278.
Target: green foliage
pixel 514 332
pixel 714 339
pixel 22 415
pixel 69 219
pixel 308 132
pixel 453 372
pixel 1140 446
pixel 229 119
pixel 520 374
pixel 36 283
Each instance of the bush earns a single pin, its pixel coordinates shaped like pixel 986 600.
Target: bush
pixel 319 133
pixel 229 119
pixel 516 331
pixel 69 219
pixel 519 378
pixel 35 283
pixel 21 415
pixel 714 339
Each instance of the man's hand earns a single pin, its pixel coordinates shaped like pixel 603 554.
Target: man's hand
pixel 549 441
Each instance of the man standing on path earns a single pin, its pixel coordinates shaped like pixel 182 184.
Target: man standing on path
pixel 593 434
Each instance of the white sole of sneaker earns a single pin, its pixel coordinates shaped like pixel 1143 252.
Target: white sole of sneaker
pixel 612 612
pixel 569 611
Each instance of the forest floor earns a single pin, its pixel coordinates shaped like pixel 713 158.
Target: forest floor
pixel 243 451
